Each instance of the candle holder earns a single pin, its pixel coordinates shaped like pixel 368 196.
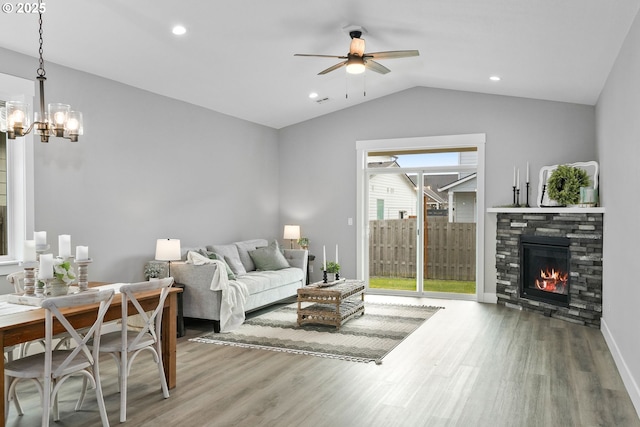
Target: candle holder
pixel 527 205
pixel 337 275
pixel 40 249
pixel 324 276
pixel 517 198
pixel 514 195
pixel 29 285
pixel 83 275
pixel 43 291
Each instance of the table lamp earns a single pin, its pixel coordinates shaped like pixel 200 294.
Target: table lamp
pixel 168 250
pixel 291 232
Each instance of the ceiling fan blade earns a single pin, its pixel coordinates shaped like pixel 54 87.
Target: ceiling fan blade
pixel 320 56
pixel 391 54
pixel 356 47
pixel 377 67
pixel 335 67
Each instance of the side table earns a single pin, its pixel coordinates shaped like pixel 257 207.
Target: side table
pixel 180 317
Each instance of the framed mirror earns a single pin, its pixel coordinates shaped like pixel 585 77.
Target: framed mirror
pixel 545 172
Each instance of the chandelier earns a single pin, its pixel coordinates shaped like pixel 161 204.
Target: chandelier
pixel 57 120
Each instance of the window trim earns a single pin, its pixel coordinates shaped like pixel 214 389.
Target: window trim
pixel 20 177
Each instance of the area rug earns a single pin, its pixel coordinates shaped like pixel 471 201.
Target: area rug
pixel 367 338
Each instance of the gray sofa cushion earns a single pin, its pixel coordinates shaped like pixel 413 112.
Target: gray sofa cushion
pixel 231 256
pixel 244 247
pixel 269 258
pixel 213 255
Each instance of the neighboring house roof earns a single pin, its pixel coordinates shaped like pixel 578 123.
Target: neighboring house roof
pixel 458 182
pixel 434 196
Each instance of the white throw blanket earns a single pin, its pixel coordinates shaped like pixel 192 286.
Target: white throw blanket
pixel 234 293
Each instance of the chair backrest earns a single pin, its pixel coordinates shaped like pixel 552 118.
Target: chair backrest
pixel 17 280
pixel 151 321
pixel 53 305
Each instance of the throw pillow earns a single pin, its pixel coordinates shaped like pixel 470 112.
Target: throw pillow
pixel 213 255
pixel 243 250
pixel 231 256
pixel 269 258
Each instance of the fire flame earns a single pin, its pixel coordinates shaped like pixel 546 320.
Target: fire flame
pixel 552 281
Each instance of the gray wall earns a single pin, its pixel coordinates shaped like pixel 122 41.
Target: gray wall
pixel 318 178
pixel 617 118
pixel 148 167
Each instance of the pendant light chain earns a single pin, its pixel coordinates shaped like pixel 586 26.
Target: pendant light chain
pixel 41 72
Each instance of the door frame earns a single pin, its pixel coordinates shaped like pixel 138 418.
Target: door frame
pixel 443 142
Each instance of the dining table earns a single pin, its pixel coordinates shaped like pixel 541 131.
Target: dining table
pixel 20 324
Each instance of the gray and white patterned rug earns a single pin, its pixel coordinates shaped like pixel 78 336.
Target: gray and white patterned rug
pixel 367 338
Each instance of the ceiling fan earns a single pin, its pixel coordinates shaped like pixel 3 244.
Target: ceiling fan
pixel 357 60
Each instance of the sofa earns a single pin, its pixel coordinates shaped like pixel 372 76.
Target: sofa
pixel 266 273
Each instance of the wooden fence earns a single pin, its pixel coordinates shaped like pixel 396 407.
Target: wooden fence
pixel 450 249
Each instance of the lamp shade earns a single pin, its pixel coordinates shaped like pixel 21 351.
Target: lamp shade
pixel 291 232
pixel 168 250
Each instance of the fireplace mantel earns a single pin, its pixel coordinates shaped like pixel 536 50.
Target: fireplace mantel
pixel 546 210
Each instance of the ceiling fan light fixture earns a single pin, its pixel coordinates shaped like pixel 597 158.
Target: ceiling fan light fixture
pixel 355 65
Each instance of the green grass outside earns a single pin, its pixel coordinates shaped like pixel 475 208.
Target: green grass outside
pixel 430 285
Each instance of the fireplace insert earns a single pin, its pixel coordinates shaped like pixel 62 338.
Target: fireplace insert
pixel 544 269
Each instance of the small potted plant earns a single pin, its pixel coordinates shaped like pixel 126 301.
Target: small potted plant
pixel 153 271
pixel 333 268
pixel 303 242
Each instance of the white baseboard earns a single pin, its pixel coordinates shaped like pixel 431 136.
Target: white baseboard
pixel 490 298
pixel 627 378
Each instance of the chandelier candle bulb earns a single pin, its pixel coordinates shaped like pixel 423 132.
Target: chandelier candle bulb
pixel 29 254
pixel 82 253
pixel 46 266
pixel 64 246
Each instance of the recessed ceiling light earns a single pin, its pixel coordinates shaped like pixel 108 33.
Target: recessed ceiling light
pixel 179 30
pixel 313 95
pixel 495 78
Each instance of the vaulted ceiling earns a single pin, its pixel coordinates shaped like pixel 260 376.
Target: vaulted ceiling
pixel 237 57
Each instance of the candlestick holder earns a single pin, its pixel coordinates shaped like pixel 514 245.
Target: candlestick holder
pixel 324 276
pixel 43 291
pixel 514 195
pixel 83 275
pixel 517 198
pixel 29 285
pixel 527 205
pixel 337 276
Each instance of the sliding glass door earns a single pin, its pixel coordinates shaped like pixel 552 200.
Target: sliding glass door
pixel 421 223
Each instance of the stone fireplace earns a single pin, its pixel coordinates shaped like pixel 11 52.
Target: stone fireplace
pixel 551 263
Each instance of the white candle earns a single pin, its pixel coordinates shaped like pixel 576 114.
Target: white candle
pixel 337 254
pixel 82 253
pixel 64 246
pixel 518 180
pixel 29 251
pixel 527 171
pixel 40 237
pixel 514 176
pixel 324 258
pixel 46 266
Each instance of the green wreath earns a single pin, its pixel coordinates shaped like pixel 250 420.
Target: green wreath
pixel 565 182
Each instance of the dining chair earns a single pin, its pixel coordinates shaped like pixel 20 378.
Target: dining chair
pixel 125 345
pixel 17 280
pixel 50 370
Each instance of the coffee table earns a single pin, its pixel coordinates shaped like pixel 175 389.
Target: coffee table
pixel 332 305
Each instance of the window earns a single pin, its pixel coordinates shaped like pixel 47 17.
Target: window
pixel 16 179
